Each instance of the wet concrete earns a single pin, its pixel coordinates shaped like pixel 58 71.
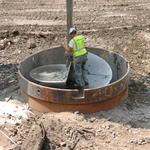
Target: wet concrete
pixel 48 73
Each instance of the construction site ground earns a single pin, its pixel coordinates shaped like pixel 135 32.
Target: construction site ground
pixel 29 26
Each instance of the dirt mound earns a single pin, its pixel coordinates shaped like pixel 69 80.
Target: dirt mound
pixel 68 131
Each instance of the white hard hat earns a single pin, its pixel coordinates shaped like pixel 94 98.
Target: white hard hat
pixel 71 30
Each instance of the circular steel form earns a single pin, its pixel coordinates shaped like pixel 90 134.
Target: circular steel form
pixel 48 99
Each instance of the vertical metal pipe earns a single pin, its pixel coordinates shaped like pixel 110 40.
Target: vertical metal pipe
pixel 69 16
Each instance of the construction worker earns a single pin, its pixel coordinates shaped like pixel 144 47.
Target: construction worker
pixel 78 51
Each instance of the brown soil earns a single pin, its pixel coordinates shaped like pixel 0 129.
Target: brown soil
pixel 27 27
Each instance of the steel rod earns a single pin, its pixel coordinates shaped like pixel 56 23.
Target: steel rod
pixel 69 7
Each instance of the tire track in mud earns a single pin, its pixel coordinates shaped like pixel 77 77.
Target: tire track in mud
pixel 94 14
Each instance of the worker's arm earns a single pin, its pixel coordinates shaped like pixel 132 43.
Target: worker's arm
pixel 68 49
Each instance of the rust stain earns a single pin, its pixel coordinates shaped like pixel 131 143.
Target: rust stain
pixel 44 106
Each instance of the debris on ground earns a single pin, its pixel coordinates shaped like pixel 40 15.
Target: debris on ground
pixel 118 26
pixel 13 113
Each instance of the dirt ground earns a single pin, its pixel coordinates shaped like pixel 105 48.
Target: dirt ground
pixel 28 26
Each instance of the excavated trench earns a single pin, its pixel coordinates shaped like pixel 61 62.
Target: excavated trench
pixel 44 80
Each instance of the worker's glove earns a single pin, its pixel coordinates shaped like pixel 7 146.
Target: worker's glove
pixel 67 54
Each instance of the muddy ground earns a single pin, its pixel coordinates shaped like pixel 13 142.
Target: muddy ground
pixel 28 26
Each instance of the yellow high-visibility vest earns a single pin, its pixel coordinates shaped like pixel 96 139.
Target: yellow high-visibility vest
pixel 78 45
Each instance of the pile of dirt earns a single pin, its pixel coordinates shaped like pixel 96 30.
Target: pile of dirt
pixel 68 131
pixel 13 114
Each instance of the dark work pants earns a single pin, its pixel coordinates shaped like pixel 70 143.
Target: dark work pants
pixel 80 73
